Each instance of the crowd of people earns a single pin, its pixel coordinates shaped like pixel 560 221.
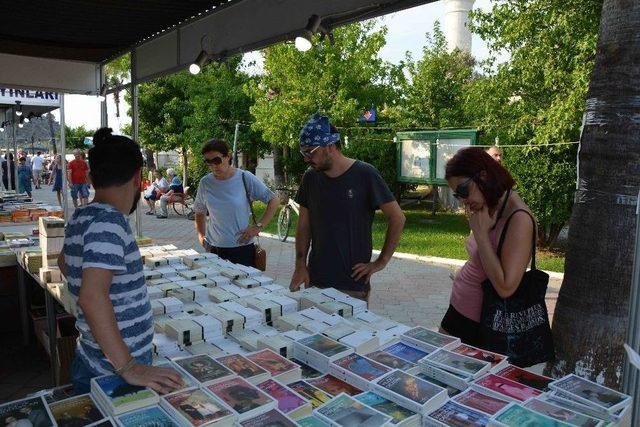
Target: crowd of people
pixel 338 197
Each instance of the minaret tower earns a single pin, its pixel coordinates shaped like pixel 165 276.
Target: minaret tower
pixel 456 24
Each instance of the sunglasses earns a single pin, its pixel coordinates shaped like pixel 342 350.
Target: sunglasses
pixel 307 154
pixel 215 161
pixel 462 189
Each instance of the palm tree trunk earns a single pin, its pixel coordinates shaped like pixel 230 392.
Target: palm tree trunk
pixel 591 314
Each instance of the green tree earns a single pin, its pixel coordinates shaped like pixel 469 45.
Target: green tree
pixel 340 80
pixel 537 97
pixel 74 137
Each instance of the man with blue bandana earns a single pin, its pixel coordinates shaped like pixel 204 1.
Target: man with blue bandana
pixel 338 197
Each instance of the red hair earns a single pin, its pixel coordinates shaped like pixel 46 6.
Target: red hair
pixel 470 162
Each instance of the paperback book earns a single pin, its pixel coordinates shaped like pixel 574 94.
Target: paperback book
pixel 77 410
pixel 390 360
pixel 516 415
pixel 344 410
pixel 480 401
pixel 457 363
pixel 561 414
pixel 504 389
pixel 289 402
pixel 314 395
pixel 405 352
pixel 525 377
pixel 319 351
pixel 400 416
pixel 498 361
pixel 116 396
pixel 203 368
pixel 244 398
pixel 454 414
pixel 411 392
pixel 334 386
pixel 429 340
pixel 306 370
pixel 280 368
pixel 152 416
pixel 272 418
pixel 313 421
pixel 30 411
pixel 244 367
pixel 196 408
pixel 591 393
pixel 357 370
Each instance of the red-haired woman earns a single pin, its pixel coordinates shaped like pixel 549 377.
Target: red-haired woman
pixel 485 189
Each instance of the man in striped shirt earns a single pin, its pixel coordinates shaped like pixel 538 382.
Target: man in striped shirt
pixel 103 267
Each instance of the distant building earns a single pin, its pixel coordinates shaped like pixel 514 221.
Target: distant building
pixel 456 24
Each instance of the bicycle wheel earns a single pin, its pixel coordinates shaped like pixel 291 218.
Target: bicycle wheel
pixel 284 223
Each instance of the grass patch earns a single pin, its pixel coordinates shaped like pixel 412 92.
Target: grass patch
pixel 442 235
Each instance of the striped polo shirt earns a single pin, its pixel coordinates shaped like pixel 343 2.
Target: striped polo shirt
pixel 99 236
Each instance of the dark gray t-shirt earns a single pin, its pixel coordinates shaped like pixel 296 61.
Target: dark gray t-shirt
pixel 341 212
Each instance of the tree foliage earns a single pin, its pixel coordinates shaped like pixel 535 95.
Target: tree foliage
pixel 74 137
pixel 537 97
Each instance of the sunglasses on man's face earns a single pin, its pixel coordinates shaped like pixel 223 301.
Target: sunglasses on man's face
pixel 214 161
pixel 462 189
pixel 306 153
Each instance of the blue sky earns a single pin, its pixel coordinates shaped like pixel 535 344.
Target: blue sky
pixel 407 32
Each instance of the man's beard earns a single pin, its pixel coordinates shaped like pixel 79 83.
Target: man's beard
pixel 136 199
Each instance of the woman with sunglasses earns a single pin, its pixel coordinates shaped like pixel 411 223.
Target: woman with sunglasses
pixel 222 194
pixel 484 187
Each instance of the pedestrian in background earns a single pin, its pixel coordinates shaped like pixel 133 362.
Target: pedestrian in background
pixel 77 176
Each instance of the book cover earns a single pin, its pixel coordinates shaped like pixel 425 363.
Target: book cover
pixel 480 354
pixel 241 396
pixel 323 345
pixel 314 395
pixel 272 418
pixel 457 363
pixel 78 410
pixel 288 401
pixel 120 393
pixel 312 421
pixel 451 391
pixel 28 412
pixel 405 352
pixel 590 392
pixel 454 414
pixel 390 360
pixel 430 337
pixel 561 414
pixel 272 362
pixel 507 387
pixel 362 367
pixel 197 407
pixel 307 371
pixel 525 377
pixel 516 415
pixel 203 368
pixel 107 422
pixel 387 407
pixel 480 401
pixel 333 385
pixel 241 366
pixel 346 411
pixel 410 387
pixel 148 417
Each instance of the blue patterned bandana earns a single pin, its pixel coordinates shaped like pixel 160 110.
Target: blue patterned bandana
pixel 317 132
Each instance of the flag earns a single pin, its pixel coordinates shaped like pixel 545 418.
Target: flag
pixel 369 115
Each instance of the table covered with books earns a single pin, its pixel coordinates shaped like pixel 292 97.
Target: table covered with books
pixel 252 353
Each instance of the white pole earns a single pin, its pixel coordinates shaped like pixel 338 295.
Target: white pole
pixel 104 119
pixel 63 148
pixel 134 127
pixel 235 145
pixel 15 152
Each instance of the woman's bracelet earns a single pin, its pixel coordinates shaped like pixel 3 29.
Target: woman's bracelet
pixel 122 369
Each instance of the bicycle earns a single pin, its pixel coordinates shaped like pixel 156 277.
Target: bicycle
pixel 284 217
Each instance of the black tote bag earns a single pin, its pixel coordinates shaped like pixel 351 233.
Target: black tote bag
pixel 518 326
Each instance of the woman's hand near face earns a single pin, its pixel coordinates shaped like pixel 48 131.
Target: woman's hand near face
pixel 481 222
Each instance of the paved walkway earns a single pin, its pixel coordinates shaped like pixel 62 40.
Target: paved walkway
pixel 408 290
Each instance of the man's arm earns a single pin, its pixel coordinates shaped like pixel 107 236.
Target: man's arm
pixel 395 225
pixel 303 241
pixel 98 310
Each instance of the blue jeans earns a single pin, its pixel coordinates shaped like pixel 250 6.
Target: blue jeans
pixel 83 189
pixel 81 372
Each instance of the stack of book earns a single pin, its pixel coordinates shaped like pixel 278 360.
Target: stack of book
pixel 319 351
pixel 279 367
pixel 410 392
pixel 344 410
pixel 151 416
pixel 21 412
pixel 289 402
pixel 429 340
pixel 115 396
pixel 401 417
pixel 453 368
pixel 252 318
pixel 196 407
pixel 357 370
pixel 203 369
pixel 244 368
pixel 333 385
pixel 245 399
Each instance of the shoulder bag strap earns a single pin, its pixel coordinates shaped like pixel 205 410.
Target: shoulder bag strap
pixel 533 242
pixel 246 192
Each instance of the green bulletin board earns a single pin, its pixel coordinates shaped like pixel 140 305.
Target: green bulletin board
pixel 423 155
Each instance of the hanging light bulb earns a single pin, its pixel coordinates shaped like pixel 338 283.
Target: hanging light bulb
pixel 2 127
pixel 201 60
pixel 27 120
pixel 303 41
pixel 19 110
pixel 303 44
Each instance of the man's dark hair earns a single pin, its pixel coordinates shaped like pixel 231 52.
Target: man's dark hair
pixel 218 145
pixel 113 159
pixel 38 153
